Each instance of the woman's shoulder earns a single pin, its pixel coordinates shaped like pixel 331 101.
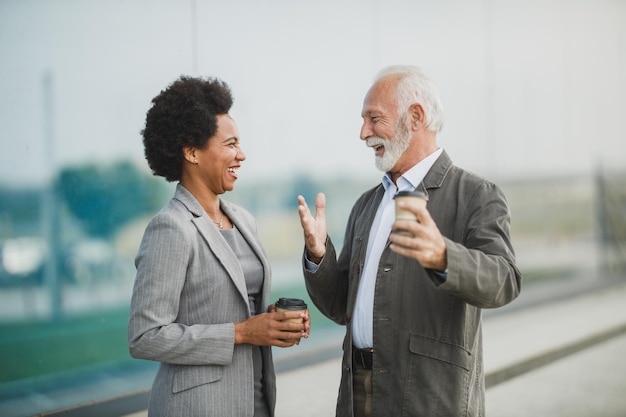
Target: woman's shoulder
pixel 174 213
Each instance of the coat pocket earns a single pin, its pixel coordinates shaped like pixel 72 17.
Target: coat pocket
pixel 438 378
pixel 193 376
pixel 441 351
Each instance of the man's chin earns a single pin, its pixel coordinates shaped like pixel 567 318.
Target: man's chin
pixel 382 165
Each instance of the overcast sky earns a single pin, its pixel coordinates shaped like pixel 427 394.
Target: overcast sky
pixel 530 88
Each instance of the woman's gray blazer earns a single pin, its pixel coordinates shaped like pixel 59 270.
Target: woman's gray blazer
pixel 188 293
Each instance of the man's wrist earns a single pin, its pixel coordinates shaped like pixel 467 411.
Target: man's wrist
pixel 315 259
pixel 441 276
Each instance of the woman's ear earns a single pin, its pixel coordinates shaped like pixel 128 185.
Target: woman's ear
pixel 189 153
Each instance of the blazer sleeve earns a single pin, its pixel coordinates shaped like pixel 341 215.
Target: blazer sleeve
pixel 162 263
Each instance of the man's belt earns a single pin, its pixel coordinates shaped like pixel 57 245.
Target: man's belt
pixel 363 357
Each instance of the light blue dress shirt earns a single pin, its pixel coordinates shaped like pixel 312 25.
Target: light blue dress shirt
pixel 362 318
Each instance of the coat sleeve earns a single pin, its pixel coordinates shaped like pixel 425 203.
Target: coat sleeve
pixel 481 267
pixel 328 286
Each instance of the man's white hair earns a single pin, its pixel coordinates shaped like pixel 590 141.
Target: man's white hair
pixel 414 86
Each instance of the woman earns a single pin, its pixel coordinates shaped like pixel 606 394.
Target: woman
pixel 200 300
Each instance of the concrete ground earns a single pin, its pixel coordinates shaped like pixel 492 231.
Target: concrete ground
pixel 589 383
pixel 588 380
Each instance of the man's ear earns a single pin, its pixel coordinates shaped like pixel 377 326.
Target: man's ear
pixel 417 116
pixel 189 153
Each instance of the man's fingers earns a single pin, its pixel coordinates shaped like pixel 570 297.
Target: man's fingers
pixel 302 203
pixel 320 206
pixel 303 210
pixel 424 217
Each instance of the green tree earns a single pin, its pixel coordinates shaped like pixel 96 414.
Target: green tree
pixel 105 198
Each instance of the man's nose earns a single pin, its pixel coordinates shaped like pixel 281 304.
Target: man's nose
pixel 366 131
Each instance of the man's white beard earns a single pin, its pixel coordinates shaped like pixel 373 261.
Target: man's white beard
pixel 394 148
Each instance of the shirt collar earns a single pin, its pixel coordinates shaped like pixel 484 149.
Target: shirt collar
pixel 410 179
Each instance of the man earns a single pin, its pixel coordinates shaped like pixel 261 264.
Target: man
pixel 412 304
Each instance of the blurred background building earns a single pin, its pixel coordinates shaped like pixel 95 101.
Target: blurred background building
pixel 533 93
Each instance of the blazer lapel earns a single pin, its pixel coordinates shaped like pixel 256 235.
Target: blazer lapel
pixel 215 241
pixel 223 253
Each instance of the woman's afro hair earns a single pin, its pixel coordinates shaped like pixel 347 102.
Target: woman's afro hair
pixel 182 115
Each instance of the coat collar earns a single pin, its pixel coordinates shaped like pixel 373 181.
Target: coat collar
pixel 437 173
pixel 189 201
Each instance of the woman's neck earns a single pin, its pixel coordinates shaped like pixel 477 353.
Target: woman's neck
pixel 207 199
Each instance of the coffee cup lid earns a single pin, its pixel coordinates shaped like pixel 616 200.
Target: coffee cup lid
pixel 291 303
pixel 411 194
